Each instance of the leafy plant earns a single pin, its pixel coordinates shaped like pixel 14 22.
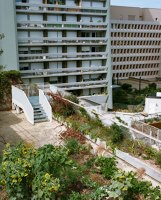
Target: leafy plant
pixel 72 98
pixel 116 133
pixel 7 78
pixel 107 166
pixel 61 106
pixel 73 146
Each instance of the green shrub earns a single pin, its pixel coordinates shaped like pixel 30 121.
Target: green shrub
pixel 72 98
pixel 77 196
pixel 73 146
pixel 127 87
pixel 116 133
pixel 107 166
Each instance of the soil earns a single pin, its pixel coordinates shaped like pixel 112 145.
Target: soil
pixel 156 124
pixel 71 133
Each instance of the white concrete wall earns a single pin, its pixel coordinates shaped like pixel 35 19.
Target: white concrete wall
pixel 100 99
pixel 152 105
pixel 20 99
pixel 150 14
pixel 45 104
pixel 122 12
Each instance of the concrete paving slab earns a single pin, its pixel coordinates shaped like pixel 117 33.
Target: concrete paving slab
pixel 14 127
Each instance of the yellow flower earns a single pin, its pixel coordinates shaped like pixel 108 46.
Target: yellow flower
pixel 47 176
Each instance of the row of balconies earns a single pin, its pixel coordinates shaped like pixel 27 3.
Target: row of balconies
pixel 61 41
pixel 83 85
pixel 60 25
pixel 46 7
pixel 62 72
pixel 61 56
pixel 57 10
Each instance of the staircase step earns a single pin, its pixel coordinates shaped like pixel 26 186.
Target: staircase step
pixel 36 106
pixel 40 116
pixel 41 120
pixel 39 112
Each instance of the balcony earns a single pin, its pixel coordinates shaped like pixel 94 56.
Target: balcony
pixel 62 41
pixel 23 58
pixel 55 9
pixel 62 72
pixel 62 25
pixel 83 85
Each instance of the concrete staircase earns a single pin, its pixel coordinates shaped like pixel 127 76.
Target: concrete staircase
pixel 39 113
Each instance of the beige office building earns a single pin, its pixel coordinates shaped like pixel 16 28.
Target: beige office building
pixel 136 42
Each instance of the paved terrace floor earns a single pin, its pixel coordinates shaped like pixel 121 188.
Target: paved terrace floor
pixel 15 128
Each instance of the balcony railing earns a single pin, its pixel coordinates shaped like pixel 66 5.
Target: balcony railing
pixel 55 56
pixel 60 25
pixel 83 85
pixel 68 40
pixel 62 72
pixel 59 8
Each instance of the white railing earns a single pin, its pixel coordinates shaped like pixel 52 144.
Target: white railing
pixel 45 104
pixel 20 99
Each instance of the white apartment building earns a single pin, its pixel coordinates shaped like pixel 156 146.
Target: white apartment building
pixel 61 42
pixel 79 45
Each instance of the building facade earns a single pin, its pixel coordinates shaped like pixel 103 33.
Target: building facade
pixel 62 42
pixel 136 42
pixel 79 45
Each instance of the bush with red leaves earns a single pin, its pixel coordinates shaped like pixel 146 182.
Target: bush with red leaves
pixel 71 133
pixel 61 105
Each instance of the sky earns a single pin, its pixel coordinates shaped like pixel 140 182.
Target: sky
pixel 138 3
